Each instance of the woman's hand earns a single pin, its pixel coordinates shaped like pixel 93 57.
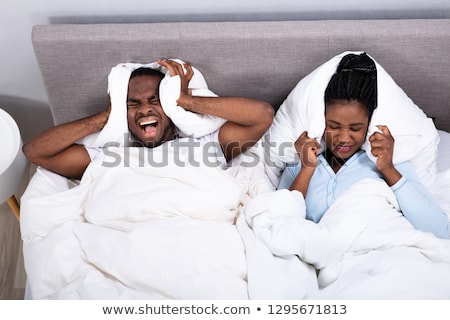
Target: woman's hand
pixel 307 150
pixel 382 147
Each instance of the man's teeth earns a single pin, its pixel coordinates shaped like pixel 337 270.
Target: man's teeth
pixel 148 122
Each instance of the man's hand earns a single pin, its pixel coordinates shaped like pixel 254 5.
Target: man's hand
pixel 176 69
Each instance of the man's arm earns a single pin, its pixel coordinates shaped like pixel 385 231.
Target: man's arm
pixel 55 149
pixel 248 119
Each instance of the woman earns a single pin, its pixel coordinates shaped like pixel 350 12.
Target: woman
pixel 350 100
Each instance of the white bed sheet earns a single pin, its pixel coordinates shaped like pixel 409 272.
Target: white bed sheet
pixel 179 237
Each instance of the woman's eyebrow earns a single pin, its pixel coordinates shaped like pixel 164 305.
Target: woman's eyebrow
pixel 351 124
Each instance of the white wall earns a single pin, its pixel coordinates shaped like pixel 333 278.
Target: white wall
pixel 22 92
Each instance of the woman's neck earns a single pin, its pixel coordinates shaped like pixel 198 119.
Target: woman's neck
pixel 334 162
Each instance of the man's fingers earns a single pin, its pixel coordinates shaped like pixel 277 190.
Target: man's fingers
pixel 174 67
pixel 189 71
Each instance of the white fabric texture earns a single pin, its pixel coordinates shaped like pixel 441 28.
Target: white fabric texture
pixel 168 232
pixel 440 188
pixel 363 246
pixel 188 123
pixel 415 135
pixel 442 161
pixel 178 248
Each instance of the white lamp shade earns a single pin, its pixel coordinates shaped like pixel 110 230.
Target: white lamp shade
pixel 13 163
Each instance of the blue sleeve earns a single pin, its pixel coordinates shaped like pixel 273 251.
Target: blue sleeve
pixel 288 176
pixel 418 205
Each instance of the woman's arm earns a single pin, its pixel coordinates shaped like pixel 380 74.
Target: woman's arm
pixel 418 204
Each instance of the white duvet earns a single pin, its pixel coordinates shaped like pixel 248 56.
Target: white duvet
pixel 363 247
pixel 139 231
pixel 85 242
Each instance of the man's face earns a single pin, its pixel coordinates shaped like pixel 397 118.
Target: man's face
pixel 146 118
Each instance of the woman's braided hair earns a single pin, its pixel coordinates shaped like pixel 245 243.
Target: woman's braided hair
pixel 355 80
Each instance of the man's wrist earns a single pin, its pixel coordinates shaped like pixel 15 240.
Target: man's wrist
pixel 186 102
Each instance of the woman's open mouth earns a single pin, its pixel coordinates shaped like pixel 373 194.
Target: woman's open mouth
pixel 343 149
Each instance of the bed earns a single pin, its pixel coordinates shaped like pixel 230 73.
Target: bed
pixel 90 240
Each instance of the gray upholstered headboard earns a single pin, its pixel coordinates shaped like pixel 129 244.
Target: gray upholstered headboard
pixel 253 59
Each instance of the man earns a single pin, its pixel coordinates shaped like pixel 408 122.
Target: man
pixel 247 120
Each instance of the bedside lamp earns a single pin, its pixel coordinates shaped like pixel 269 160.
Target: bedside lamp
pixel 13 163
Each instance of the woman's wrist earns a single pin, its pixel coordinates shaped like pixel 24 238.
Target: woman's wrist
pixel 301 182
pixel 391 175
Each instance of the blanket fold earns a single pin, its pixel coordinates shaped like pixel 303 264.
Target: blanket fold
pixel 179 222
pixel 364 242
pixel 174 221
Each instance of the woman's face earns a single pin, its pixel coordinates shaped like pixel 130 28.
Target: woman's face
pixel 346 127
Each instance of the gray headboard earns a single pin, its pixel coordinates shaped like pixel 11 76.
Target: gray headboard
pixel 252 59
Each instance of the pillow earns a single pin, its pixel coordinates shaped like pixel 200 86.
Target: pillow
pixel 303 110
pixel 442 161
pixel 188 123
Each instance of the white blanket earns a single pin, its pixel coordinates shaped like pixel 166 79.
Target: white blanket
pixel 166 232
pixel 131 230
pixel 363 247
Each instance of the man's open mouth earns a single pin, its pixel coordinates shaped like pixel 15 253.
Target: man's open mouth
pixel 149 126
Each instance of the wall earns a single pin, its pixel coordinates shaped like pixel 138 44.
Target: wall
pixel 22 92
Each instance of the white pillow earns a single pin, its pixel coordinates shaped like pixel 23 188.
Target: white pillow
pixel 303 110
pixel 442 161
pixel 188 123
